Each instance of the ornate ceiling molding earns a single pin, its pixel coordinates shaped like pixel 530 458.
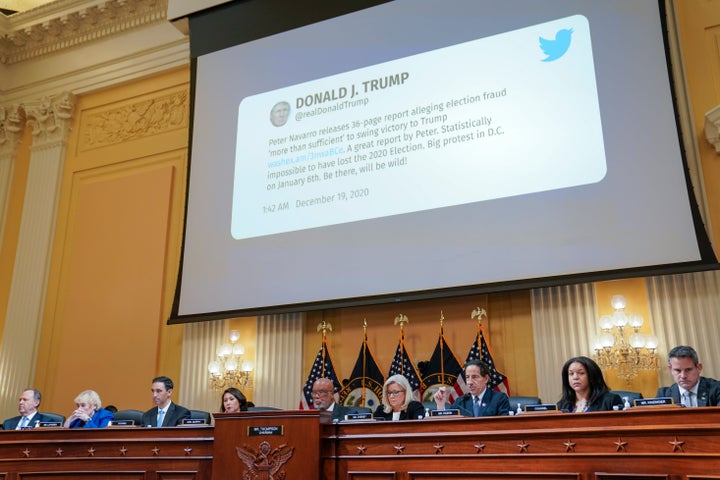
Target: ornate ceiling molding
pixel 68 23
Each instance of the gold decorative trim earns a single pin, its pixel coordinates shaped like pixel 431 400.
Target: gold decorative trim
pixel 62 27
pixel 140 119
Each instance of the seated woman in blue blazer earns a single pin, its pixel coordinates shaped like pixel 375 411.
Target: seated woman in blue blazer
pixel 89 412
pixel 397 402
pixel 481 400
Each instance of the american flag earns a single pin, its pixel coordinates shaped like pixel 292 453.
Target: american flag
pixel 481 350
pixel 403 365
pixel 322 367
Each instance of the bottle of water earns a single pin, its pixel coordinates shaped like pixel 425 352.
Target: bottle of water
pixel 427 412
pixel 626 404
pixel 519 410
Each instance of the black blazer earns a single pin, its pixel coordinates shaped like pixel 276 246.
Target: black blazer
pixel 603 404
pixel 493 403
pixel 413 411
pixel 12 423
pixel 708 393
pixel 174 416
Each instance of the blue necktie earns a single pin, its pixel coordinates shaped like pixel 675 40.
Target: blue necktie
pixel 476 406
pixel 161 416
pixel 24 422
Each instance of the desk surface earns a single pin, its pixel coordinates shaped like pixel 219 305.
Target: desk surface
pixel 638 444
pixel 181 453
pixel 671 442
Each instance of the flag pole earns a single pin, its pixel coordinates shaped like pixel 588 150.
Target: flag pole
pixel 363 395
pixel 442 353
pixel 324 326
pixel 402 319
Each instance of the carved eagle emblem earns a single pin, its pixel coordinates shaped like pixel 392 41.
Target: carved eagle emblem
pixel 265 462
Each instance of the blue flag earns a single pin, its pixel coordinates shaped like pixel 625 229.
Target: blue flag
pixel 364 388
pixel 442 369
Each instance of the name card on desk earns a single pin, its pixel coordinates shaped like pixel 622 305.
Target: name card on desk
pixel 121 423
pixel 445 413
pixel 194 421
pixel 654 402
pixel 269 430
pixel 541 407
pixel 49 424
pixel 359 416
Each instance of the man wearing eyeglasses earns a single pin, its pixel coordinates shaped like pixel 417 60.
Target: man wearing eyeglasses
pixel 481 400
pixel 323 396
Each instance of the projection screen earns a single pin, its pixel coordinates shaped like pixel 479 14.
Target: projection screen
pixel 418 148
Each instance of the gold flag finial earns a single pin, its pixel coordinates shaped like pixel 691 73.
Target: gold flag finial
pixel 442 318
pixel 402 320
pixel 365 325
pixel 325 327
pixel 480 313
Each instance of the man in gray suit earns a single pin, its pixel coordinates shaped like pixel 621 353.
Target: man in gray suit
pixel 690 389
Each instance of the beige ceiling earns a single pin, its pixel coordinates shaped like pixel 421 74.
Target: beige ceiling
pixel 22 5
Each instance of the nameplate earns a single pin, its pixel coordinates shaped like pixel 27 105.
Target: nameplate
pixel 654 402
pixel 49 424
pixel 121 423
pixel 194 421
pixel 541 407
pixel 270 430
pixel 359 416
pixel 445 413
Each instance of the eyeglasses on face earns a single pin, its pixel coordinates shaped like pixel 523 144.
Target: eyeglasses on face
pixel 393 393
pixel 317 393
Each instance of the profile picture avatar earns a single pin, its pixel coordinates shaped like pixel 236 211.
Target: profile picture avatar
pixel 280 113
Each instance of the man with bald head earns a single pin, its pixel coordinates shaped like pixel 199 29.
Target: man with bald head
pixel 323 396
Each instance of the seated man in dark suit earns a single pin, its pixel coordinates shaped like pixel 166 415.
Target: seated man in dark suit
pixel 323 396
pixel 165 413
pixel 29 416
pixel 689 389
pixel 481 401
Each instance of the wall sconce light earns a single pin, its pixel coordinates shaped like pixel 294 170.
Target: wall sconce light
pixel 620 347
pixel 230 370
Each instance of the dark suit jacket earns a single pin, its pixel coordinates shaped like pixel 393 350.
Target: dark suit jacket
pixel 174 416
pixel 708 394
pixel 12 423
pixel 413 411
pixel 603 404
pixel 493 403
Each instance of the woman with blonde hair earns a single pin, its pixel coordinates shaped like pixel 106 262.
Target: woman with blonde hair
pixel 89 412
pixel 397 402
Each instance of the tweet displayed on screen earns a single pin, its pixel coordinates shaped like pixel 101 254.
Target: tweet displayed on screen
pixel 405 135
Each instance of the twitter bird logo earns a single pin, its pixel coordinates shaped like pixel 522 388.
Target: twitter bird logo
pixel 555 49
